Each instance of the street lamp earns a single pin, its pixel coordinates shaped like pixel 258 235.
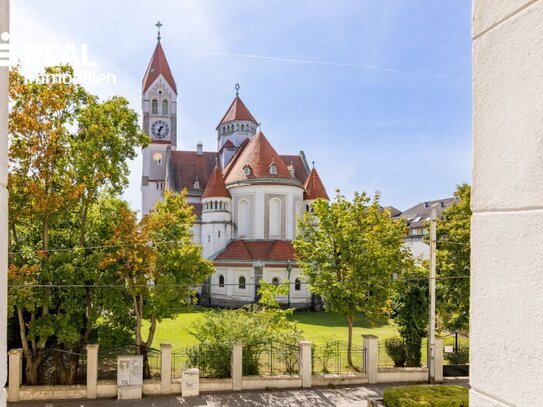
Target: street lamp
pixel 289 269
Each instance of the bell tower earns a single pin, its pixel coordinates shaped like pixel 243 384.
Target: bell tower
pixel 159 107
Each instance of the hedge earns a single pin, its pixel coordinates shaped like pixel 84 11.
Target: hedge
pixel 426 396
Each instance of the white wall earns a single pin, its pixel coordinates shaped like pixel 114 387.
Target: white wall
pixel 507 225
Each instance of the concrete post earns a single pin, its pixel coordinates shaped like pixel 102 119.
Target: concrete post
pixel 438 359
pixel 92 371
pixel 165 368
pixel 4 84
pixel 237 366
pixel 15 373
pixel 371 347
pixel 306 369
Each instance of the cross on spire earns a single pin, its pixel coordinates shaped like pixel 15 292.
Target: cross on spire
pixel 158 25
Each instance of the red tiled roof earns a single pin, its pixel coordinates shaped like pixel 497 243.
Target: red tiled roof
pixel 258 154
pixel 237 111
pixel 215 186
pixel 158 65
pixel 314 188
pixel 189 165
pixel 247 250
pixel 300 171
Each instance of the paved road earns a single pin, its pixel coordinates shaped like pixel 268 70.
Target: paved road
pixel 316 397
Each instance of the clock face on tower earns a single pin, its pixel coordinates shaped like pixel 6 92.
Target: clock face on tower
pixel 160 129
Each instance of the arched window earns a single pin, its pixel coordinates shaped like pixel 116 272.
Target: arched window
pixel 165 109
pixel 297 285
pixel 241 283
pixel 275 281
pixel 158 158
pixel 219 233
pixel 242 127
pixel 243 218
pixel 273 169
pixel 154 106
pixel 237 126
pixel 274 218
pixel 221 281
pixel 223 129
pixel 246 170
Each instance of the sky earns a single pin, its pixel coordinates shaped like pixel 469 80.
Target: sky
pixel 376 92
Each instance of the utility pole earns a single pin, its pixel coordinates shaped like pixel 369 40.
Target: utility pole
pixel 432 285
pixel 4 85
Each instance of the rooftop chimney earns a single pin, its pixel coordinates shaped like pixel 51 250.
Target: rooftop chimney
pixel 199 148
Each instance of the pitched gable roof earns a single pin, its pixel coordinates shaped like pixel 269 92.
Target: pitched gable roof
pixel 158 66
pixel 258 154
pixel 247 250
pixel 215 186
pixel 314 187
pixel 237 111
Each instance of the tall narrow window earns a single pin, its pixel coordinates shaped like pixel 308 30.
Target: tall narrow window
pixel 221 281
pixel 241 283
pixel 165 109
pixel 243 218
pixel 154 106
pixel 297 285
pixel 274 220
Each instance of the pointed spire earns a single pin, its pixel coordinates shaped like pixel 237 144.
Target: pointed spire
pixel 158 66
pixel 314 188
pixel 215 187
pixel 237 111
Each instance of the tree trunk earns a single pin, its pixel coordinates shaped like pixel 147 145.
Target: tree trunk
pixel 350 320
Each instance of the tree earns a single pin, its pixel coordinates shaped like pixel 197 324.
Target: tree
pixel 410 309
pixel 349 251
pixel 66 149
pixel 158 262
pixel 453 261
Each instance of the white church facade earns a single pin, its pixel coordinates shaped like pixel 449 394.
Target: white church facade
pixel 247 198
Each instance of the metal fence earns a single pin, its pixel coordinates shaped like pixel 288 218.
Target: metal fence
pixel 385 361
pixel 456 349
pixel 271 358
pixel 333 357
pixel 213 361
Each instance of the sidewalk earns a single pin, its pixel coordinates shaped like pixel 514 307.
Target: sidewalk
pixel 315 397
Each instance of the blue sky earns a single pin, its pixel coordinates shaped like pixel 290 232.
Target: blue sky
pixel 376 92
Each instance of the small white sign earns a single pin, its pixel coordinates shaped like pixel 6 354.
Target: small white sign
pixel 190 382
pixel 449 349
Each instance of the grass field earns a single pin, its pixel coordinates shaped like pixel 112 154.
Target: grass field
pixel 317 327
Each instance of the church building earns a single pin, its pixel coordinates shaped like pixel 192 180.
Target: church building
pixel 247 197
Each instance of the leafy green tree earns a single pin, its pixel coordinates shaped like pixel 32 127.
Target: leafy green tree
pixel 349 251
pixel 158 262
pixel 410 310
pixel 67 148
pixel 453 261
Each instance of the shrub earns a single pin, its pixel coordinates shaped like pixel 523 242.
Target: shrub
pixel 325 353
pixel 426 395
pixel 395 348
pixel 460 357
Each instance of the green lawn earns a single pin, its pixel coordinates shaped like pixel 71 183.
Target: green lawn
pixel 317 327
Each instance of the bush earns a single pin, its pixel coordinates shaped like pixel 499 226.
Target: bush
pixel 395 348
pixel 325 353
pixel 431 396
pixel 460 357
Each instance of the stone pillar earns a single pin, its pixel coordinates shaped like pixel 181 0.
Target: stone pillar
pixel 237 366
pixel 15 373
pixel 165 368
pixel 306 369
pixel 371 347
pixel 92 371
pixel 506 322
pixel 4 75
pixel 438 360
